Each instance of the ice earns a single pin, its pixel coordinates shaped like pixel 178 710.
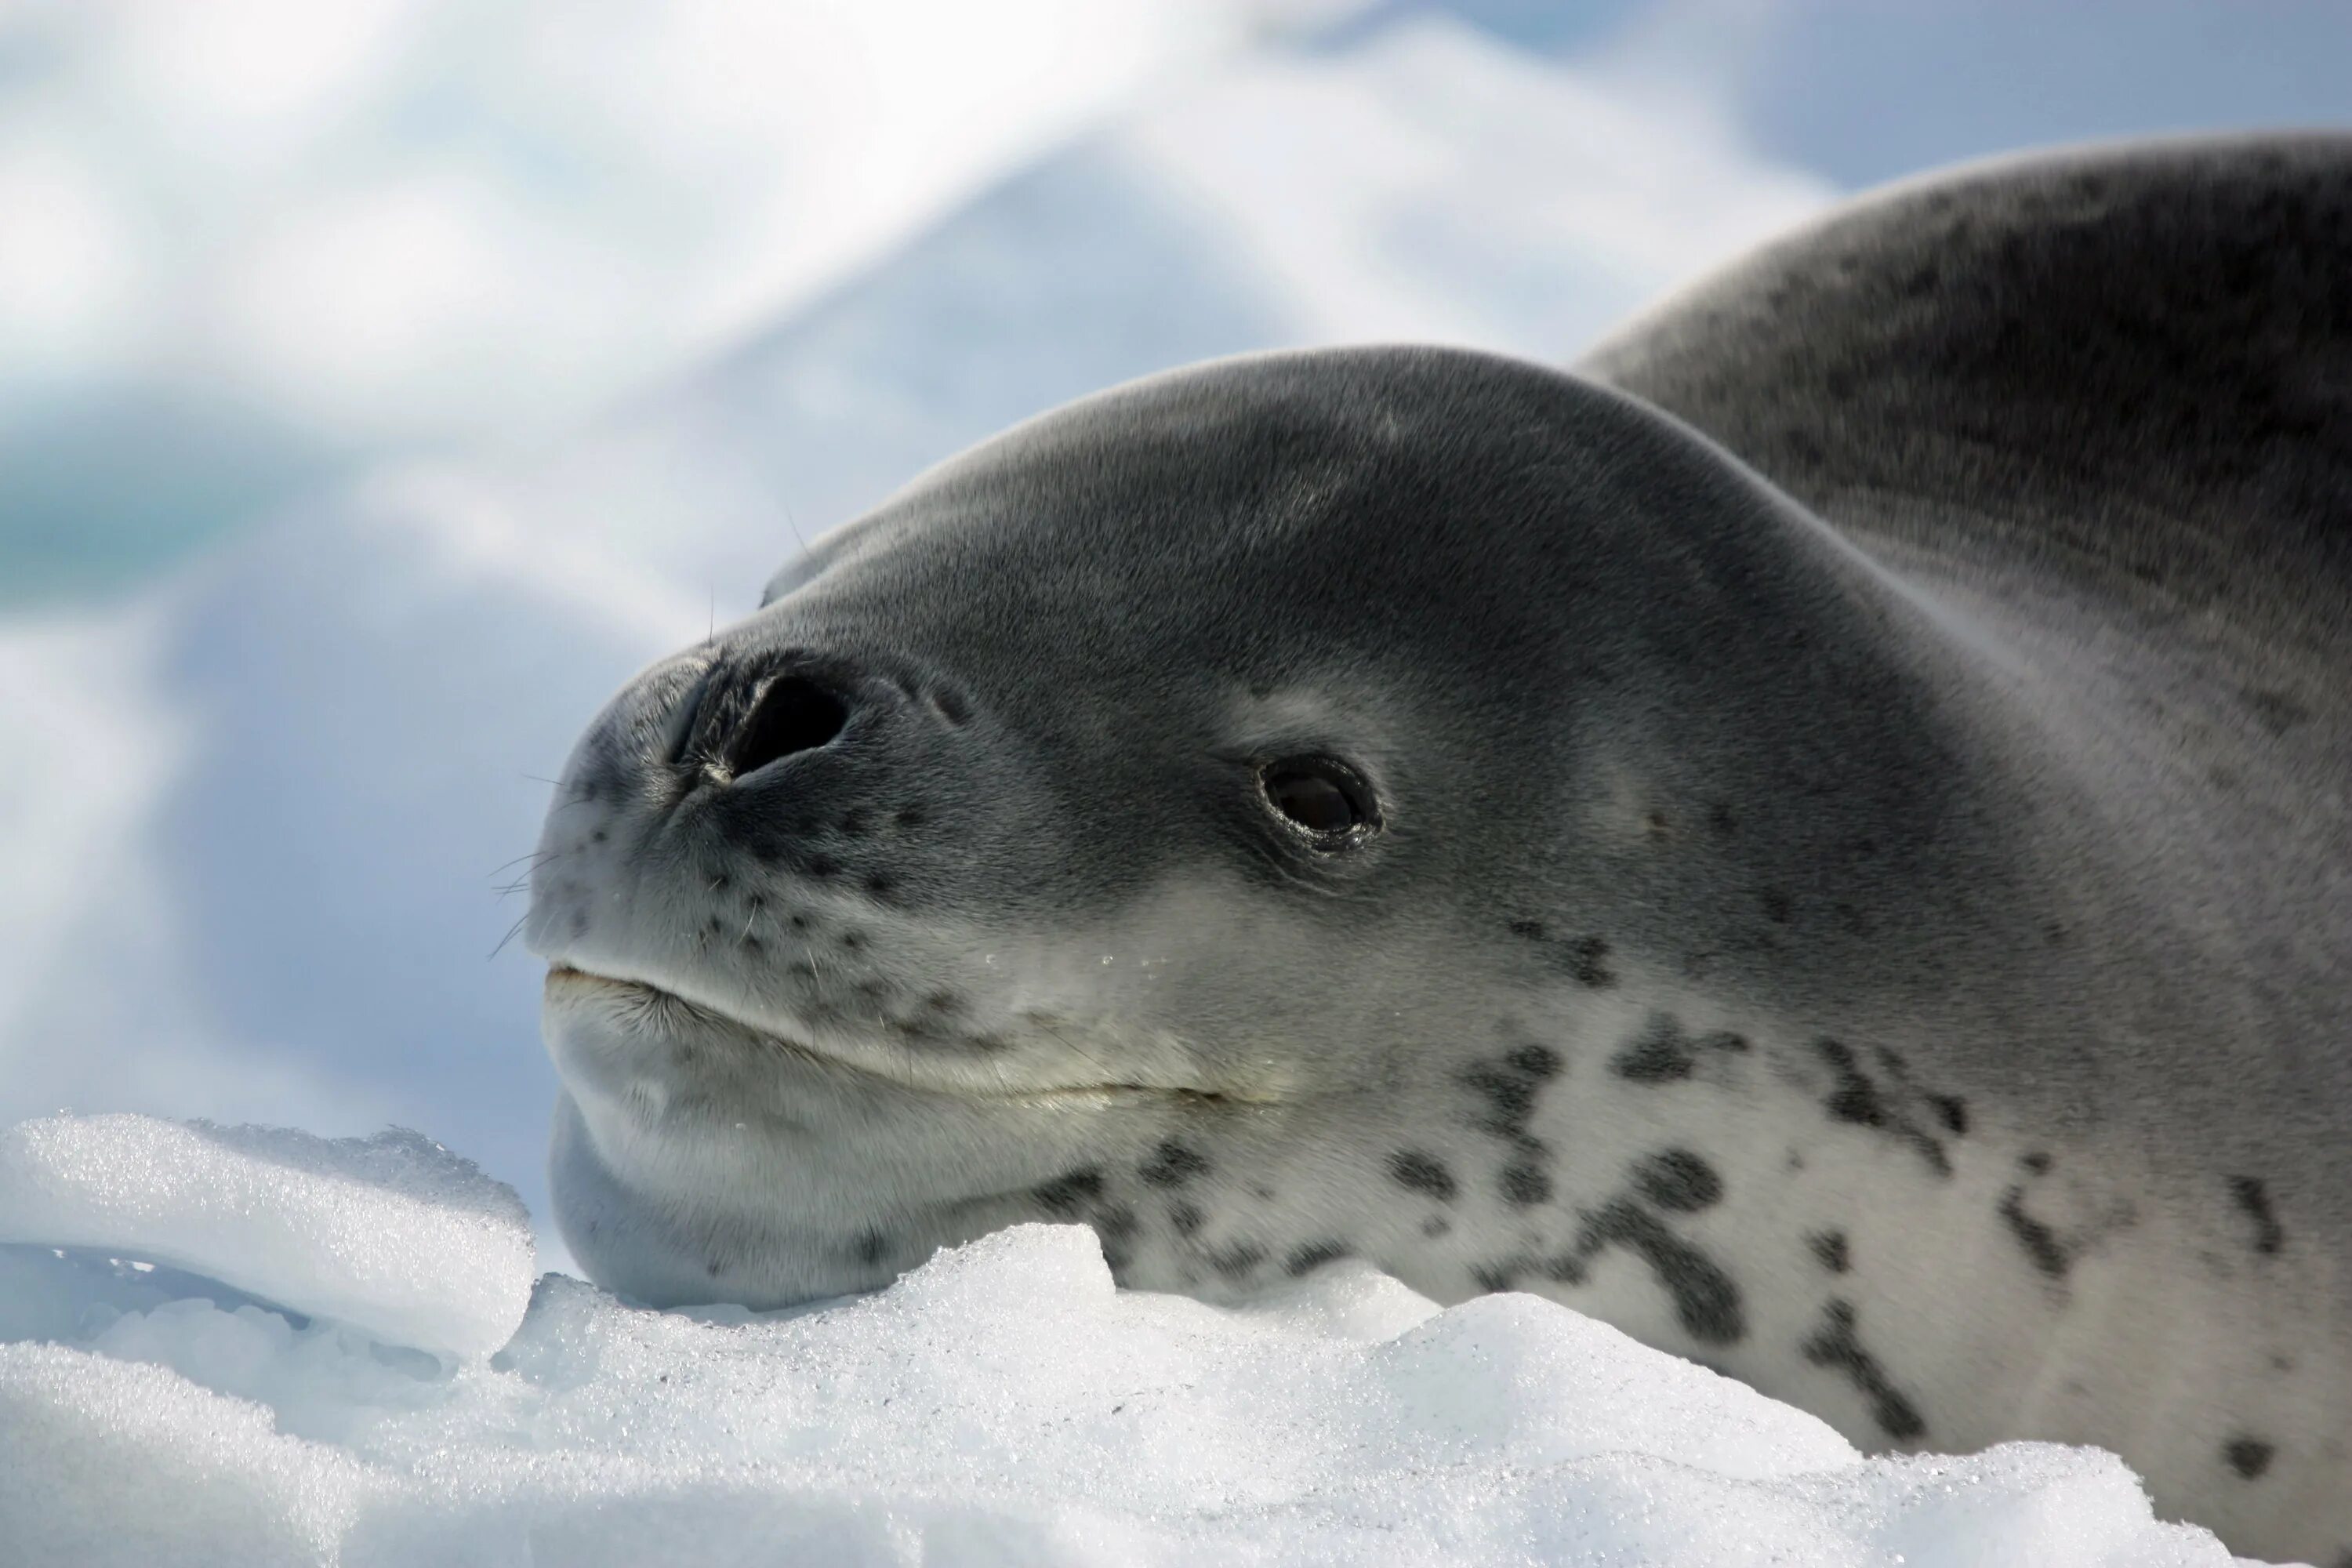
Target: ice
pixel 1002 1405
pixel 392 1235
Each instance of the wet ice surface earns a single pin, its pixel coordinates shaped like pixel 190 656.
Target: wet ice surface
pixel 392 1235
pixel 342 1358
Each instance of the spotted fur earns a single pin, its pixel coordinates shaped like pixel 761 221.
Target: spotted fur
pixel 1858 889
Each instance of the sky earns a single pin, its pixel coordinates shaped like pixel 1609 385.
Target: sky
pixel 265 244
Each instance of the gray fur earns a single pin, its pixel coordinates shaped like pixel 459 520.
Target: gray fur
pixel 1871 913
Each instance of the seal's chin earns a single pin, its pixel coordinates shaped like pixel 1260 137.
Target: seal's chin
pixel 646 1014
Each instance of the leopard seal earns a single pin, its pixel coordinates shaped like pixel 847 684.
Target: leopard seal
pixel 1819 838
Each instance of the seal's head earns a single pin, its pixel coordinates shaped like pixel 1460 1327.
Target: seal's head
pixel 1216 810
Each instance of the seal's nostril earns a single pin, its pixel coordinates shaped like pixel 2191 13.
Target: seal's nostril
pixel 792 714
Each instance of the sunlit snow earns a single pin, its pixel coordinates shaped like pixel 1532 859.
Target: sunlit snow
pixel 1003 1404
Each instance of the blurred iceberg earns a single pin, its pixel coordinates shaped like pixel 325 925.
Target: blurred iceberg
pixel 252 242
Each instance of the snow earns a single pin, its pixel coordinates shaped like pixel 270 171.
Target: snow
pixel 277 1395
pixel 392 1235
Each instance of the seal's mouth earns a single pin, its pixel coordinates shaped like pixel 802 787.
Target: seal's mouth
pixel 649 1009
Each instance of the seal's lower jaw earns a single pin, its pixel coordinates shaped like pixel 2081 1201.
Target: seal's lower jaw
pixel 595 1021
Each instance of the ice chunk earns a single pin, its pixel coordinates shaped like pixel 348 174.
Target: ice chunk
pixel 105 1462
pixel 1003 1404
pixel 392 1235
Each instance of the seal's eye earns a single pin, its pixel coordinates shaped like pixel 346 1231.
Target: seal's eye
pixel 1320 795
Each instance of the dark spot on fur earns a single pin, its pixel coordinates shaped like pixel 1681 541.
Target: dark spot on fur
pixel 2250 1457
pixel 1661 1053
pixel 1856 1099
pixel 750 943
pixel 911 817
pixel 854 823
pixel 1436 1226
pixel 1585 959
pixel 1311 1257
pixel 1524 1184
pixel 2040 1242
pixel 853 940
pixel 713 1267
pixel 1117 1223
pixel 1185 1217
pixel 821 866
pixel 1238 1261
pixel 1568 1268
pixel 878 885
pixel 600 836
pixel 1421 1172
pixel 1493 1277
pixel 1588 962
pixel 1721 818
pixel 2253 1199
pixel 1776 907
pixel 1679 1181
pixel 1707 1301
pixel 869 1247
pixel 799 922
pixel 1830 1246
pixel 1172 1164
pixel 1952 1111
pixel 1065 1195
pixel 1534 1061
pixel 2276 710
pixel 1838 1343
pixel 2037 1161
pixel 1510 1099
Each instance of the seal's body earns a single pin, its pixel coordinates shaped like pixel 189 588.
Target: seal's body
pixel 1866 904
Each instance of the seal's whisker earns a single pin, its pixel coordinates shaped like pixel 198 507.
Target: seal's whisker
pixel 513 931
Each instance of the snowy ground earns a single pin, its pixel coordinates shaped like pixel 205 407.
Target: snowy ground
pixel 245 1346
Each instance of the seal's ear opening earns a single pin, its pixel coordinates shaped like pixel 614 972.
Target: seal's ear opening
pixel 1322 797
